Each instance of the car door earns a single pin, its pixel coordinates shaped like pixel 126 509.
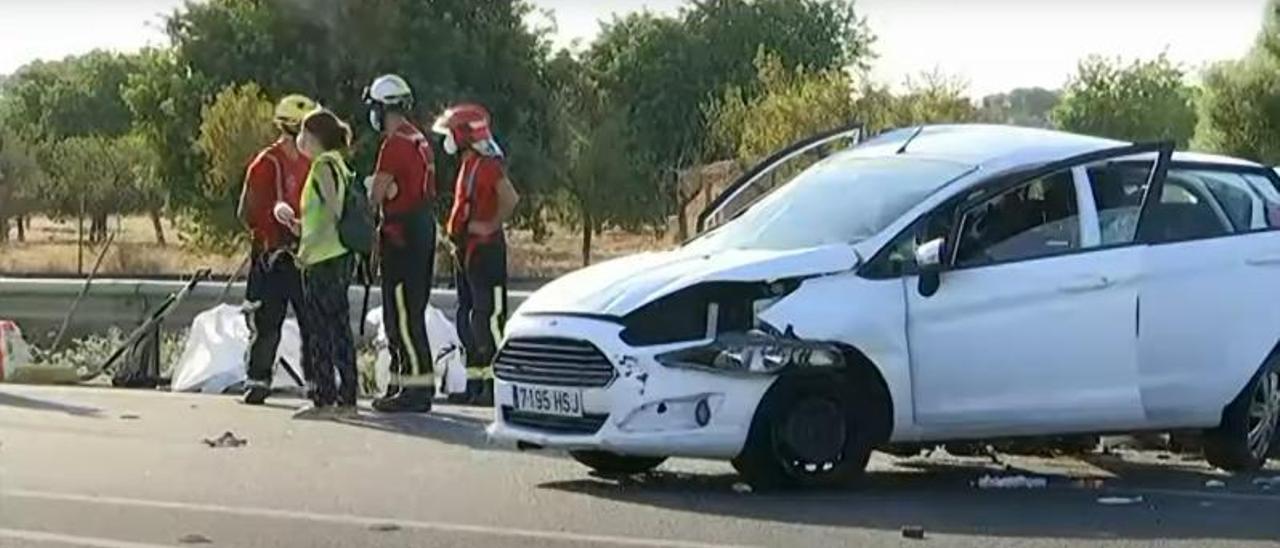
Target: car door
pixel 1210 292
pixel 1033 327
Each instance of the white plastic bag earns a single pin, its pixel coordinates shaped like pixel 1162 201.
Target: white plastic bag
pixel 213 358
pixel 448 358
pixel 14 352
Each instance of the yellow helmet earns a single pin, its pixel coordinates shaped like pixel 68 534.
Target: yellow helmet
pixel 292 109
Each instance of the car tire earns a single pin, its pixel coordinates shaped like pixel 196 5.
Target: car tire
pixel 1248 433
pixel 613 464
pixel 809 431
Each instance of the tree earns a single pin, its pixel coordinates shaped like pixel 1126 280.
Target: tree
pixel 605 177
pixel 1239 107
pixel 20 180
pixel 791 104
pixel 1144 100
pixel 77 96
pixel 98 177
pixel 232 129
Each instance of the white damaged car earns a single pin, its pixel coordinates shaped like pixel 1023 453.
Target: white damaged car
pixel 933 284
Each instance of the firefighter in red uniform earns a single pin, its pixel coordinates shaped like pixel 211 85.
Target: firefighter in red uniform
pixel 404 187
pixel 268 201
pixel 483 200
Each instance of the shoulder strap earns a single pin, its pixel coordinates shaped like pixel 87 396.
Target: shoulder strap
pixel 338 183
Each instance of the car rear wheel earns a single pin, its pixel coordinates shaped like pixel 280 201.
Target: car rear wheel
pixel 808 432
pixel 1248 433
pixel 613 464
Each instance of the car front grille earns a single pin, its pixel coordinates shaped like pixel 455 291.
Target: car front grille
pixel 553 362
pixel 584 425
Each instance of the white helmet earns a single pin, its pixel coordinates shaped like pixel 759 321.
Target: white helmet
pixel 386 91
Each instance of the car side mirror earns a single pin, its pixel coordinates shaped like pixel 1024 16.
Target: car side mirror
pixel 929 265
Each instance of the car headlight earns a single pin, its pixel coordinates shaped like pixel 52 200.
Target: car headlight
pixel 753 353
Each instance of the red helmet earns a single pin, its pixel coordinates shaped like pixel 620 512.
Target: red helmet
pixel 464 126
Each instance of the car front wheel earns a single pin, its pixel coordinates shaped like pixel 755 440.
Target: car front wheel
pixel 1248 433
pixel 613 464
pixel 808 432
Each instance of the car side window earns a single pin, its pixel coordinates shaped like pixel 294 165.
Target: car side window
pixel 1118 189
pixel 1036 219
pixel 1208 203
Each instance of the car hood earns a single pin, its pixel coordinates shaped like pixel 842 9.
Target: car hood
pixel 618 287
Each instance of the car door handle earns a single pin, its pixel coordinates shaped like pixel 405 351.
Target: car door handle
pixel 1264 260
pixel 1085 283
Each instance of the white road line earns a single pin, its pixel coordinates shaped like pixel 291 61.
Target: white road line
pixel 73 540
pixel 362 521
pixel 1189 493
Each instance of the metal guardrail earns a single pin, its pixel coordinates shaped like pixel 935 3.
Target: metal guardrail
pixel 38 305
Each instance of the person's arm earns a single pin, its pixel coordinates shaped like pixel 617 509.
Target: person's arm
pixel 327 186
pixel 247 203
pixel 384 188
pixel 508 198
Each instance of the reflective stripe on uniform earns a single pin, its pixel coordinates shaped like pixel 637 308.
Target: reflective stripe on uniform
pixel 406 338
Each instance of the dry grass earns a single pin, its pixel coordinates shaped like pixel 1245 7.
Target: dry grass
pixel 51 249
pixel 51 246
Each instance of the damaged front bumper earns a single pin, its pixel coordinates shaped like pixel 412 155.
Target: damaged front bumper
pixel 645 409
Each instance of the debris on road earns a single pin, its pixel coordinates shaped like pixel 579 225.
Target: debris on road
pixel 129 417
pixel 195 538
pixel 914 532
pixel 384 527
pixel 227 439
pixel 1012 482
pixel 741 488
pixel 1215 484
pixel 1119 501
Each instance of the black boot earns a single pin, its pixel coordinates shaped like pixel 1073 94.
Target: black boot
pixel 256 394
pixel 406 400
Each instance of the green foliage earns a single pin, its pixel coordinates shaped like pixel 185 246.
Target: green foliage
pixel 790 105
pixel 793 104
pixel 1144 100
pixel 1239 106
pixel 448 51
pixel 20 176
pixel 109 175
pixel 929 98
pixel 606 179
pixel 233 128
pixel 76 96
pixel 1240 109
pixel 1020 107
pixel 664 70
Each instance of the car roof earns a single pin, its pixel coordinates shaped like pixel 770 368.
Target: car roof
pixel 991 147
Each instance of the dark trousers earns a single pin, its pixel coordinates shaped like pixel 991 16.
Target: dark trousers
pixel 327 343
pixel 274 284
pixel 407 272
pixel 482 299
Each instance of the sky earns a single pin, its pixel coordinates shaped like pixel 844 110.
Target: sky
pixel 994 45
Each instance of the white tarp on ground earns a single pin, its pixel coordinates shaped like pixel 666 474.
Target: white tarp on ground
pixel 213 358
pixel 446 349
pixel 14 352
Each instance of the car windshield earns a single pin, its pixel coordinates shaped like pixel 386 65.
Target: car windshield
pixel 843 199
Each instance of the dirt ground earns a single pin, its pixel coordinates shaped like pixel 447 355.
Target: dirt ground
pixel 51 249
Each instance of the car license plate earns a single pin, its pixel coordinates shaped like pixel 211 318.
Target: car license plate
pixel 547 400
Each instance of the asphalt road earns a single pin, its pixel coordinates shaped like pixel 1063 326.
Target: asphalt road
pixel 115 469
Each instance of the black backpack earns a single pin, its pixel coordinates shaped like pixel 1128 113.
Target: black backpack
pixel 357 226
